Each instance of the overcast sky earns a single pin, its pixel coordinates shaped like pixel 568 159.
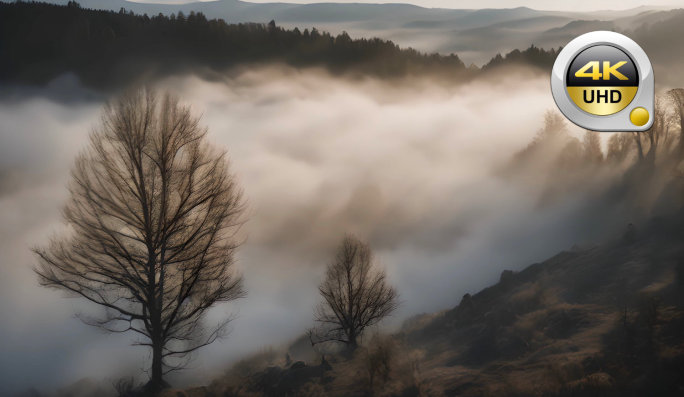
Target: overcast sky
pixel 578 5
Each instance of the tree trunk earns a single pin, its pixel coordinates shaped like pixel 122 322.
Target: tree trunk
pixel 640 149
pixel 156 379
pixel 681 131
pixel 156 382
pixel 352 344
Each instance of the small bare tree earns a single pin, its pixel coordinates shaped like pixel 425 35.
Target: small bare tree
pixel 355 294
pixel 153 213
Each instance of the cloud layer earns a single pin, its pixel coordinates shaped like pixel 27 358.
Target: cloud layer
pixel 407 165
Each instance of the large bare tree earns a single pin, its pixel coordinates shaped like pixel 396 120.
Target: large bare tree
pixel 355 294
pixel 152 216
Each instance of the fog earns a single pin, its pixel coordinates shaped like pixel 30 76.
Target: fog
pixel 411 166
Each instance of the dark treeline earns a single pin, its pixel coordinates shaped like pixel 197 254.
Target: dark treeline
pixel 532 56
pixel 40 41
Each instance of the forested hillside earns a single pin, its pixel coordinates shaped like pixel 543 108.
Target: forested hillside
pixel 40 41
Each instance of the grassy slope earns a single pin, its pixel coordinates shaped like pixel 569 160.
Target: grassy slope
pixel 606 320
pixel 595 320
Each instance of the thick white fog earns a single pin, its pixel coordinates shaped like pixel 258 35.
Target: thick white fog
pixel 407 165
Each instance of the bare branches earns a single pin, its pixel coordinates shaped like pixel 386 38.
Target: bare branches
pixel 153 212
pixel 355 295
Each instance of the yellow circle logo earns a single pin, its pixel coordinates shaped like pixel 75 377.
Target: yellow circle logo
pixel 639 116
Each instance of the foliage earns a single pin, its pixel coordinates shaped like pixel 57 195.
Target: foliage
pixel 105 49
pixel 531 56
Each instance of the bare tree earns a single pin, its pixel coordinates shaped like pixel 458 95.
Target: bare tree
pixel 659 137
pixel 153 213
pixel 619 147
pixel 677 96
pixel 355 294
pixel 591 145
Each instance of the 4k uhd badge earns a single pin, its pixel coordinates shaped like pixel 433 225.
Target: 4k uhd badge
pixel 603 81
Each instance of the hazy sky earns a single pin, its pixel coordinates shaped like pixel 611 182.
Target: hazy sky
pixel 579 5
